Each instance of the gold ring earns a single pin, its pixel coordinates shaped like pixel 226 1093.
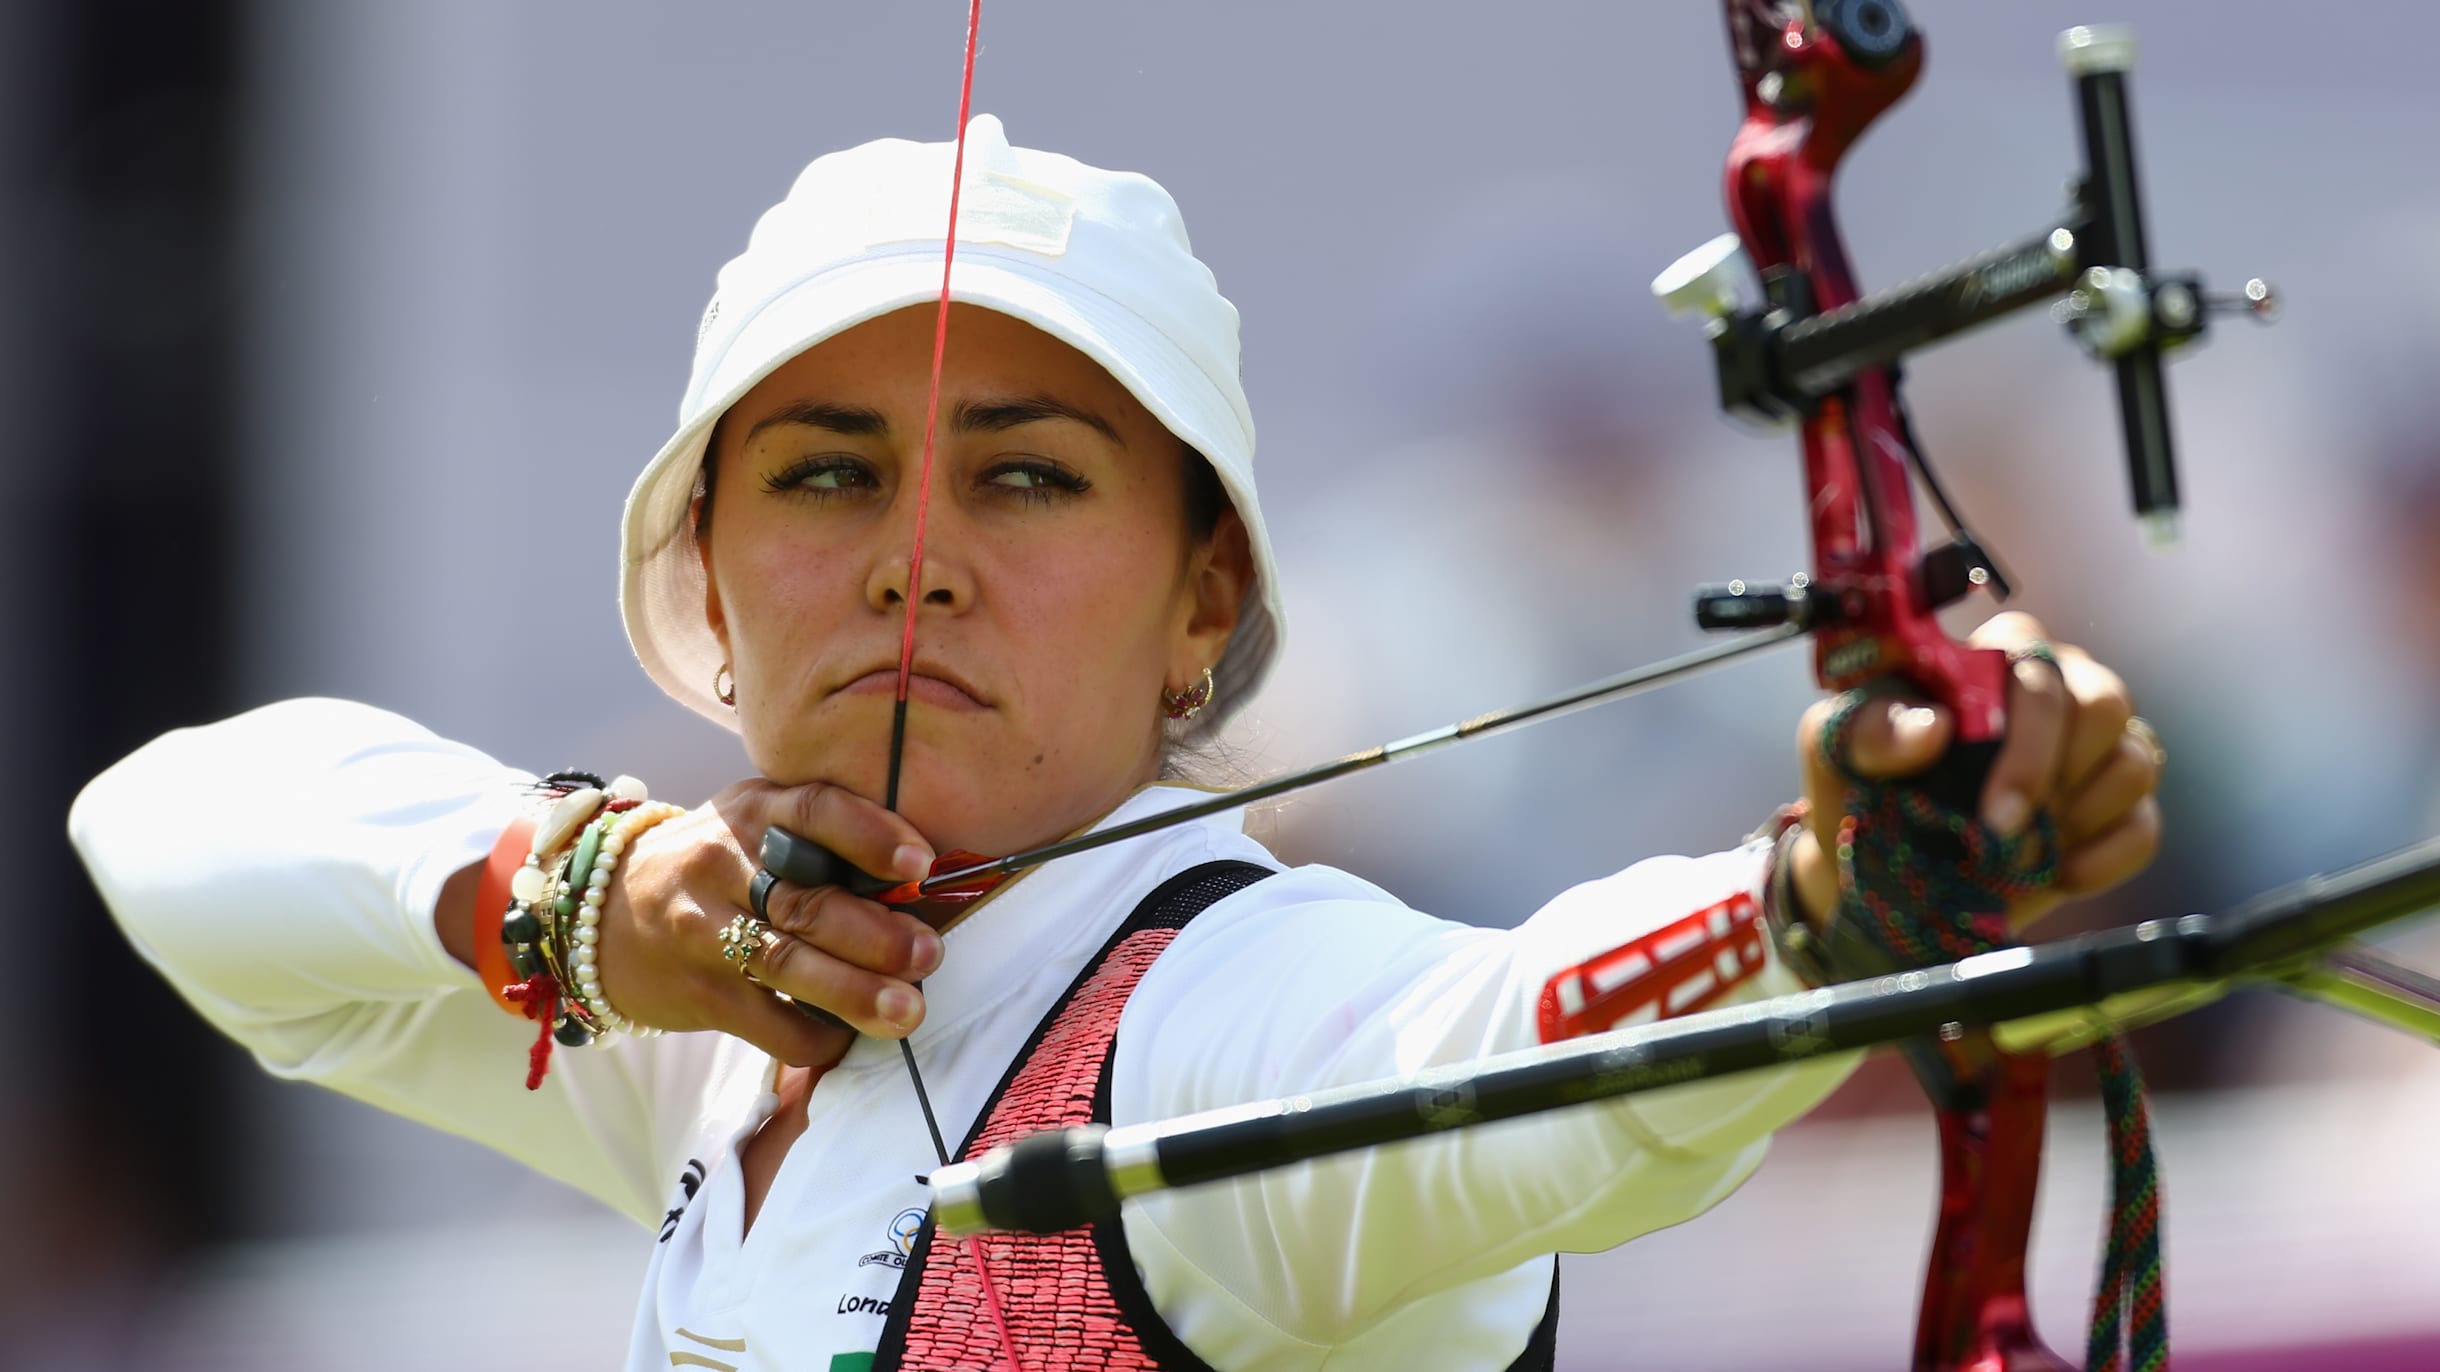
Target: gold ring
pixel 745 937
pixel 2142 729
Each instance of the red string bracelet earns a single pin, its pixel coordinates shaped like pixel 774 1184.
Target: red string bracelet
pixel 540 997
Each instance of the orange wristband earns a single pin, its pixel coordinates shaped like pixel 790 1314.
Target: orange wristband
pixel 491 908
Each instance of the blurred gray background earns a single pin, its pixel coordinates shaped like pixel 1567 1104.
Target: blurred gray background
pixel 333 333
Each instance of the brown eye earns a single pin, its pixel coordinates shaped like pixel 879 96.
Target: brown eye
pixel 823 476
pixel 1035 479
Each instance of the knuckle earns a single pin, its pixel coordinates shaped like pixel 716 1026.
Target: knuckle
pixel 794 909
pixel 2102 695
pixel 905 944
pixel 867 997
pixel 741 806
pixel 2008 628
pixel 808 804
pixel 2097 678
pixel 1810 725
pixel 780 959
pixel 2114 709
pixel 2040 681
pixel 2138 757
pixel 2147 821
pixel 854 995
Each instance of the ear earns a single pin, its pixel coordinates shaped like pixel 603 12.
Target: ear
pixel 1218 577
pixel 713 613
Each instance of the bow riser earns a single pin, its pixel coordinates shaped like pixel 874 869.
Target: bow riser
pixel 1809 97
pixel 1807 102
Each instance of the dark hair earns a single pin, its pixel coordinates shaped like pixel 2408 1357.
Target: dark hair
pixel 1206 499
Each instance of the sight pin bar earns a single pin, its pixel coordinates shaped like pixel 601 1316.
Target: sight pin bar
pixel 1067 1178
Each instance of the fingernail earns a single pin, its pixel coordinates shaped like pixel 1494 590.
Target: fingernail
pixel 2007 813
pixel 899 1006
pixel 927 953
pixel 911 861
pixel 1916 721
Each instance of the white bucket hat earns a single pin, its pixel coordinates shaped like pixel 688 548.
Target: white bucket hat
pixel 1097 259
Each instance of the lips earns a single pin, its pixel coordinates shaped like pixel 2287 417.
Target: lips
pixel 930 683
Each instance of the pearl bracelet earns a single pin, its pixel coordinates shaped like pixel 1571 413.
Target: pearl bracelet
pixel 538 932
pixel 583 948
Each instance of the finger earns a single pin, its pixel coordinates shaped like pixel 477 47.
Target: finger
pixel 2102 705
pixel 856 931
pixel 1892 736
pixel 2026 770
pixel 2010 631
pixel 2113 855
pixel 782 1030
pixel 2125 775
pixel 862 833
pixel 884 1007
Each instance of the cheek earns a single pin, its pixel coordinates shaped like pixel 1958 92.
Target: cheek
pixel 782 598
pixel 1094 622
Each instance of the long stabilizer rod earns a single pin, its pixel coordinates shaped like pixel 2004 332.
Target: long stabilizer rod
pixel 1066 1178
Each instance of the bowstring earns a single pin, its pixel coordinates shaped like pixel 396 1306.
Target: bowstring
pixel 931 415
pixel 906 639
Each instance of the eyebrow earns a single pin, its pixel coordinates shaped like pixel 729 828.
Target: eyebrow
pixel 822 414
pixel 1008 412
pixel 994 415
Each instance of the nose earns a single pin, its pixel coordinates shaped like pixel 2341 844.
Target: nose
pixel 948 579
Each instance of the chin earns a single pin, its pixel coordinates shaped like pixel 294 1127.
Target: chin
pixel 954 805
pixel 941 792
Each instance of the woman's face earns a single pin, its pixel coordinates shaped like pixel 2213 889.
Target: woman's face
pixel 1062 589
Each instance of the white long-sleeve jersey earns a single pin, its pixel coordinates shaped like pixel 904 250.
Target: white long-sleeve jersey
pixel 294 909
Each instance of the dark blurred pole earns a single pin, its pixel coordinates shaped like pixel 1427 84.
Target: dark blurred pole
pixel 123 349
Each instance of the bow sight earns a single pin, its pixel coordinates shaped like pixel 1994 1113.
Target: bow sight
pixel 1780 354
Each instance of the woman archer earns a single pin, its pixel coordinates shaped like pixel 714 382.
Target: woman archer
pixel 365 905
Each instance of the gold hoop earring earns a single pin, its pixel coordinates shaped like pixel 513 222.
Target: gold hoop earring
pixel 1188 703
pixel 728 693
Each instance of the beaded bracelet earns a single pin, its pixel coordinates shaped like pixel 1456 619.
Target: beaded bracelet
pixel 534 929
pixel 588 879
pixel 556 909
